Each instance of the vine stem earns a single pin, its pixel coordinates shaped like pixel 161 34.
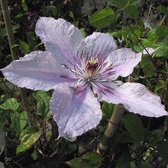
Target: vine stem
pixel 110 129
pixel 14 52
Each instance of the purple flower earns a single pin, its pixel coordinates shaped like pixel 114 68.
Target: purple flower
pixel 82 72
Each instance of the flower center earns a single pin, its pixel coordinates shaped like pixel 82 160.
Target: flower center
pixel 90 69
pixel 91 66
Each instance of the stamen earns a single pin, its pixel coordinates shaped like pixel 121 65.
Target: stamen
pixel 91 66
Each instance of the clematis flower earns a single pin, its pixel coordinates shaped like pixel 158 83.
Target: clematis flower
pixel 82 72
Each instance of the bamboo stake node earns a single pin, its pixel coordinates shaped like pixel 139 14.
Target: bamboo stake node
pixel 111 128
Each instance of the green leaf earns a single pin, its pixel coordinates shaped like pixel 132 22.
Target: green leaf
pixel 25 46
pixel 89 160
pixel 163 150
pixel 127 34
pixel 138 48
pixel 82 30
pixel 49 10
pixel 156 136
pixel 134 126
pixel 41 96
pixel 132 11
pixel 26 133
pixel 24 5
pixel 135 2
pixel 10 104
pixel 2 33
pixel 145 164
pixel 132 164
pixel 147 66
pixel 107 110
pixel 3 115
pixel 162 50
pixel 23 120
pixel 102 18
pixel 34 155
pixel 43 100
pixel 151 36
pixel 15 28
pixel 119 3
pixel 124 161
pixel 151 39
pixel 163 9
pixel 15 125
pixel 28 142
pixel 160 85
pixel 162 31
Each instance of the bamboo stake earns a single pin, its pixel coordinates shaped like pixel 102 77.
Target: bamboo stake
pixel 111 128
pixel 14 53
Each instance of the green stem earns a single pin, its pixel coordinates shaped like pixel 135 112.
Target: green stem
pixel 7 20
pixel 111 128
pixel 14 53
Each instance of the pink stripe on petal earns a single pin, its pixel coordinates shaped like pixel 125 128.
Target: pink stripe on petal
pixel 74 113
pixel 138 99
pixel 37 71
pixel 123 62
pixel 98 45
pixel 60 37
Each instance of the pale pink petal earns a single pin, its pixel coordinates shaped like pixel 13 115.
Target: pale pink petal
pixel 104 89
pixel 148 51
pixel 136 98
pixel 123 62
pixel 74 113
pixel 60 37
pixel 37 71
pixel 98 45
